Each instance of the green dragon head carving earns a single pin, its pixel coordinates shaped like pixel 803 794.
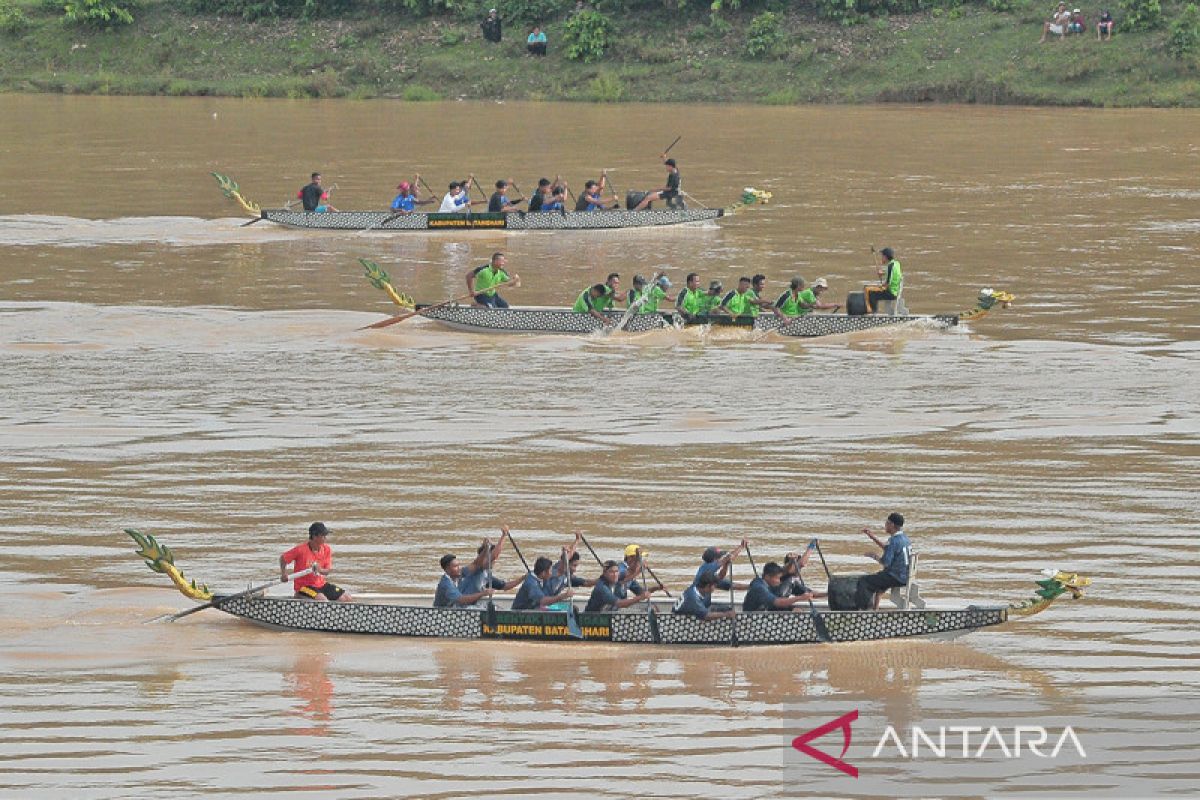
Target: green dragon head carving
pixel 160 559
pixel 381 280
pixel 231 190
pixel 1053 587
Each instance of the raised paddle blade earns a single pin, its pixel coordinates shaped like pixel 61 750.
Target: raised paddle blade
pixel 573 622
pixel 652 618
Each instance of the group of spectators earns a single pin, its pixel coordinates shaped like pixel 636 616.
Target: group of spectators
pixel 535 42
pixel 1064 23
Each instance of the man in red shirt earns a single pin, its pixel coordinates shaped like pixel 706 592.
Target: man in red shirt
pixel 314 553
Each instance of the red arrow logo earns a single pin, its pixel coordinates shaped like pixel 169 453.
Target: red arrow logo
pixel 801 743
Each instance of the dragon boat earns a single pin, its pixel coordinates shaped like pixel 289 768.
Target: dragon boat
pixel 545 319
pixel 517 220
pixel 637 625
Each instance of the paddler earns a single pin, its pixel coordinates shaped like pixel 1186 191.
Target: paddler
pixel 314 553
pixel 586 303
pixel 612 292
pixel 711 300
pixel 799 299
pixel 499 202
pixel 314 196
pixel 655 293
pixel 691 297
pixel 447 594
pixel 484 280
pixel 763 594
pixel 533 594
pixel 591 199
pixel 406 201
pixel 628 570
pixel 558 195
pixel 457 200
pixel 717 562
pixel 540 195
pixel 604 597
pixel 474 576
pixel 739 301
pixel 891 280
pixel 696 600
pixel 793 582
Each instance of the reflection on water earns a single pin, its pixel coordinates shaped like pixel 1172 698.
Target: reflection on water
pixel 167 369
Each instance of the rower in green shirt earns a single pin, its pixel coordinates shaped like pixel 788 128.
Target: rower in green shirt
pixel 482 281
pixel 691 299
pixel 711 300
pixel 799 300
pixel 612 295
pixel 654 294
pixel 586 302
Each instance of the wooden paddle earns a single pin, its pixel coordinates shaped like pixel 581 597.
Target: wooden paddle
pixel 514 281
pixel 635 305
pixel 818 621
pixel 672 144
pixel 216 602
pixel 651 614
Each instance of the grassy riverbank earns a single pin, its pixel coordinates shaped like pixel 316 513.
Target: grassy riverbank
pixel 966 54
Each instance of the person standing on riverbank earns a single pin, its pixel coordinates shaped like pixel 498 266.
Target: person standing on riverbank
pixel 491 26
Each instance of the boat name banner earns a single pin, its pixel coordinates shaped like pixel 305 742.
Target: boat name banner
pixel 488 220
pixel 991 744
pixel 546 625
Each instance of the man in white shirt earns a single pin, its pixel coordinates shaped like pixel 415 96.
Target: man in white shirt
pixel 456 201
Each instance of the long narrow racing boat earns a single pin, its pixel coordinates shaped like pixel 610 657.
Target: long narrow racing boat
pixel 631 626
pixel 517 220
pixel 544 319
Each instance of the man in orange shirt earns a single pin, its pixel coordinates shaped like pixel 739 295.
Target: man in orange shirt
pixel 314 553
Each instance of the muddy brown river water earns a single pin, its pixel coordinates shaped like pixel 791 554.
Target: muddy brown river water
pixel 163 368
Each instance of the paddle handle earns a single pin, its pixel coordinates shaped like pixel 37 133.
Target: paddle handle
pixel 671 145
pixel 590 550
pixel 252 590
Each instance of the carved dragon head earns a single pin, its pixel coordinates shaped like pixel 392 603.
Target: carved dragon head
pixel 1050 589
pixel 160 559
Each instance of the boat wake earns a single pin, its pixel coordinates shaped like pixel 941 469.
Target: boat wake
pixel 53 231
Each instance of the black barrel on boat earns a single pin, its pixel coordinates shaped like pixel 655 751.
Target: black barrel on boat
pixel 856 304
pixel 633 198
pixel 843 593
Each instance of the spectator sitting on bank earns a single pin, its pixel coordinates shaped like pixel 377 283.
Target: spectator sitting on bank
pixel 1077 23
pixel 1105 26
pixel 1058 23
pixel 491 26
pixel 536 43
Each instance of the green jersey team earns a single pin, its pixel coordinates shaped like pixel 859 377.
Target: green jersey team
pixel 748 299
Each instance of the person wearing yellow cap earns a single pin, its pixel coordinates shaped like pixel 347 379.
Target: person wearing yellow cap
pixel 627 572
